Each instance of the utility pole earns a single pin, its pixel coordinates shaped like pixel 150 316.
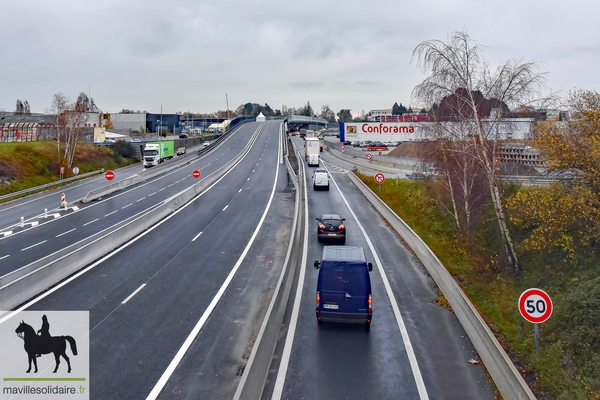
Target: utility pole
pixel 227 101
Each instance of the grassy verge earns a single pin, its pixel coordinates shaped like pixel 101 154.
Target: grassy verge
pixel 568 363
pixel 29 164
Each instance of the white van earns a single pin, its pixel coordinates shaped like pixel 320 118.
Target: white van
pixel 313 160
pixel 321 179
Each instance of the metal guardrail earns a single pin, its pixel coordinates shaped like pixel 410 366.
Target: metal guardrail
pixel 505 375
pixel 49 185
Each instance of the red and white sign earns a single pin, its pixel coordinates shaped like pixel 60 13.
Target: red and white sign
pixel 196 174
pixel 535 305
pixel 369 157
pixel 379 178
pixel 342 147
pixel 109 175
pixel 62 170
pixel 63 199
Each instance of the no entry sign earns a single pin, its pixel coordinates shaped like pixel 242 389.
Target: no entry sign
pixel 535 305
pixel 196 174
pixel 379 178
pixel 109 175
pixel 369 157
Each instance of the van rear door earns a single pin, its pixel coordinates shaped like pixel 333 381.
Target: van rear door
pixel 357 289
pixel 332 287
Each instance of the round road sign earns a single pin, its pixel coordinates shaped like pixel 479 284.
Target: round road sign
pixel 342 147
pixel 369 156
pixel 535 305
pixel 109 175
pixel 196 174
pixel 379 178
pixel 75 170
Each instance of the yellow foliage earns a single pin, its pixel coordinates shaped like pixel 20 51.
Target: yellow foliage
pixel 576 143
pixel 557 217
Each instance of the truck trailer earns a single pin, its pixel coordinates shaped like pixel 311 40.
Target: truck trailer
pixel 157 152
pixel 312 148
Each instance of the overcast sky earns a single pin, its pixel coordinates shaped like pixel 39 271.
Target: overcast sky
pixel 347 54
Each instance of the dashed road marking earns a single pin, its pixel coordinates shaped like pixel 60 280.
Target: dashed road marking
pixel 33 245
pixel 64 233
pixel 87 223
pixel 106 215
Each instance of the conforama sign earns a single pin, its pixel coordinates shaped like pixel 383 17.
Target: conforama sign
pixel 381 131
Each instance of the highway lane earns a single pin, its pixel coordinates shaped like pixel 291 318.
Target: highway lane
pixel 423 354
pixel 133 343
pixel 29 244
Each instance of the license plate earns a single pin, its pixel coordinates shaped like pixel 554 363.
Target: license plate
pixel 331 306
pixel 331 234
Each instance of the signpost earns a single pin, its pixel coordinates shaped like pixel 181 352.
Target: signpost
pixel 196 174
pixel 63 200
pixel 379 178
pixel 369 157
pixel 109 175
pixel 536 307
pixel 342 147
pixel 75 171
pixel 62 172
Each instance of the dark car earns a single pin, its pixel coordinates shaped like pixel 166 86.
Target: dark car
pixel 331 226
pixel 183 136
pixel 181 151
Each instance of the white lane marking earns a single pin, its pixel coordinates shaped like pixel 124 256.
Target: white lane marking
pixel 178 181
pixel 137 201
pixel 87 223
pixel 37 244
pixel 130 204
pixel 213 304
pixel 248 179
pixel 133 294
pixel 110 213
pixel 7 233
pixel 152 194
pixel 64 233
pixel 34 223
pixel 253 170
pixel 56 215
pixel 162 189
pixel 2 258
pixel 196 237
pixel 240 190
pixel 169 185
pixel 225 207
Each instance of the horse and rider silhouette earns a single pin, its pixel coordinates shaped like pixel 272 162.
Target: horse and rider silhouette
pixel 42 343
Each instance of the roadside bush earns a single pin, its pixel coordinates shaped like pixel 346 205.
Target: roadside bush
pixel 123 149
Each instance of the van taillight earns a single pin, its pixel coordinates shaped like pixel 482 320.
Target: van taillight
pixel 318 300
pixel 370 304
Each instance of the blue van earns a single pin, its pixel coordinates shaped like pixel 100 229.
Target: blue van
pixel 344 286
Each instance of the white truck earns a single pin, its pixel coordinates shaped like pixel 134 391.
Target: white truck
pixel 312 149
pixel 157 152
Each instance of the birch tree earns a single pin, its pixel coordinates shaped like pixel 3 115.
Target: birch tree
pixel 60 104
pixel 458 70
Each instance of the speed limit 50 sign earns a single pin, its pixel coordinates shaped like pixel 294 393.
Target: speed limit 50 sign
pixel 535 305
